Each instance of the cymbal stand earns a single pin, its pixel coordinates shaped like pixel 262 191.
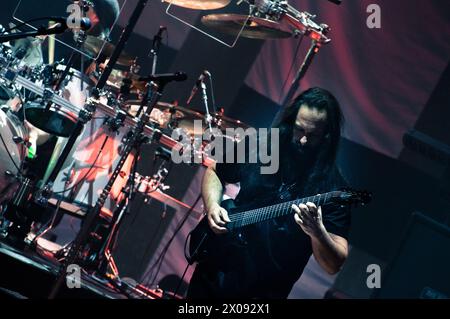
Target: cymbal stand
pixel 312 52
pixel 129 190
pixel 80 39
pixel 86 113
pixel 155 49
pixel 302 22
pixel 84 245
pixel 104 254
pixel 205 103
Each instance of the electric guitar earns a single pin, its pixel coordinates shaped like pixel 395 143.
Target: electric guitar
pixel 204 243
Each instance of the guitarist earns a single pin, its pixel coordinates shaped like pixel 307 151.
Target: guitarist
pixel 276 251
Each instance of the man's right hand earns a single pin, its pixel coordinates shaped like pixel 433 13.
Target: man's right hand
pixel 217 219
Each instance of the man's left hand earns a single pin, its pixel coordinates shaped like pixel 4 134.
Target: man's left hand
pixel 309 217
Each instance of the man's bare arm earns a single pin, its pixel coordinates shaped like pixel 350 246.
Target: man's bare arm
pixel 212 190
pixel 330 250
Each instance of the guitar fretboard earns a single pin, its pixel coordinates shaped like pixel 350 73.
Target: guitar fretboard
pixel 258 215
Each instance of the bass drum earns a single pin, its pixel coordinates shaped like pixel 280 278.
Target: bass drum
pixel 12 153
pixel 88 169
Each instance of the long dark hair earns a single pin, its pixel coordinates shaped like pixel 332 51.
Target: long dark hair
pixel 322 100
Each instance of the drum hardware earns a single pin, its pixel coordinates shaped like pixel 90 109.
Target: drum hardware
pixel 106 266
pixel 165 140
pixel 61 27
pixel 62 111
pixel 82 243
pixel 135 183
pixel 80 40
pixel 16 180
pixel 201 83
pixel 133 140
pixel 302 22
pixel 84 117
pixel 117 119
pixel 155 48
pixel 15 217
pixel 44 114
pixel 295 84
pixel 114 123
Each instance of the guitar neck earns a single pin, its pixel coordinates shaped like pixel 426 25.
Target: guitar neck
pixel 254 216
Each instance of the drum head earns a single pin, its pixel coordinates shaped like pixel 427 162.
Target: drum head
pixel 60 120
pixel 53 121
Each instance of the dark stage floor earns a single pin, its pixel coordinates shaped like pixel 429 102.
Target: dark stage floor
pixel 28 274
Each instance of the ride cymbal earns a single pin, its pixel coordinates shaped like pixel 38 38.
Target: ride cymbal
pixel 255 28
pixel 200 4
pixel 94 46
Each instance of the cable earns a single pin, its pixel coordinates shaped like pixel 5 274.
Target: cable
pixel 174 234
pixel 212 94
pixel 160 259
pixel 181 280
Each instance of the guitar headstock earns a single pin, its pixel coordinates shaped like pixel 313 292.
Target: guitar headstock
pixel 349 196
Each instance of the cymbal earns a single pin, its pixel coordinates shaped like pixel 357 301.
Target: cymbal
pixel 256 28
pixel 219 121
pixel 224 122
pixel 95 45
pixel 200 4
pixel 115 81
pixel 177 111
pixel 175 116
pixel 137 85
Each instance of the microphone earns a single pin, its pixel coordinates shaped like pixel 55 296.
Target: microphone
pixel 197 85
pixel 74 23
pixel 158 37
pixel 165 77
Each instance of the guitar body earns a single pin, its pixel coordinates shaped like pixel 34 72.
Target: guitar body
pixel 205 244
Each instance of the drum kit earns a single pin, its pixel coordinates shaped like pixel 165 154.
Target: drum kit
pixel 45 102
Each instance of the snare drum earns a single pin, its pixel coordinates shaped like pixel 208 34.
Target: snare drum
pixel 59 120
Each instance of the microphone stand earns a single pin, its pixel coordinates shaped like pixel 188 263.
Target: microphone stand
pixel 82 248
pixel 81 38
pixel 40 31
pixel 81 241
pixel 154 52
pixel 155 49
pixel 205 102
pixel 85 114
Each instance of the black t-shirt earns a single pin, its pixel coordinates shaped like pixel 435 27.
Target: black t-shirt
pixel 278 249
